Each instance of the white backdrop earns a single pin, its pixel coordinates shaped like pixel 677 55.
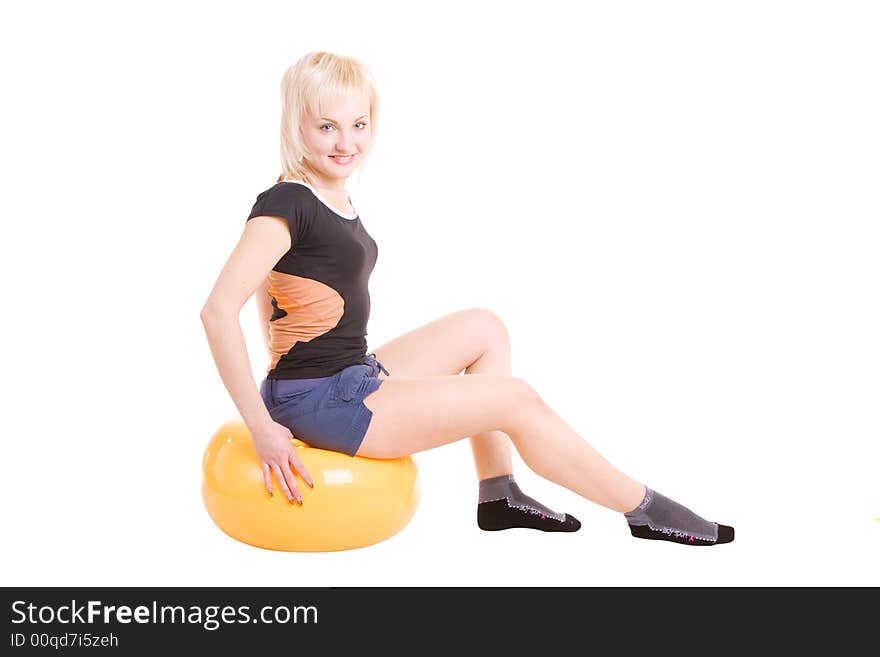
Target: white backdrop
pixel 673 207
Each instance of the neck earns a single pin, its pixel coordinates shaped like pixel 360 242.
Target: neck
pixel 334 186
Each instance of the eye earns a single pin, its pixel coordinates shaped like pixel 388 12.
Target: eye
pixel 328 125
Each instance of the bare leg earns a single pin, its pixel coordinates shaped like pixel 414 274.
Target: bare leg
pixel 414 414
pixel 561 455
pixel 475 340
pixel 492 450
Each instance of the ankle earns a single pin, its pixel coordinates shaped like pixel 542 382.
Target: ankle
pixel 636 498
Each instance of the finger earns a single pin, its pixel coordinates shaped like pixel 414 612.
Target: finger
pixel 291 482
pixel 299 467
pixel 266 478
pixel 282 482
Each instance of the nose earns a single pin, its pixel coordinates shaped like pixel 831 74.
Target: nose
pixel 345 142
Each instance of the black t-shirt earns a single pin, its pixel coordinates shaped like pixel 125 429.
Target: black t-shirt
pixel 319 288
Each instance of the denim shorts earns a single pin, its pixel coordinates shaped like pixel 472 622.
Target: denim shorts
pixel 327 412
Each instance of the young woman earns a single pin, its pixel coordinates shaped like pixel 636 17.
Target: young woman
pixel 306 254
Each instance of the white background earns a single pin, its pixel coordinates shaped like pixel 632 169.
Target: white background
pixel 673 207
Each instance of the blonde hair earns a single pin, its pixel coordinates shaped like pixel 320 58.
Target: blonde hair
pixel 305 86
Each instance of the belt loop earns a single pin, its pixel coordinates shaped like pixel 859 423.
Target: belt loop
pixel 372 357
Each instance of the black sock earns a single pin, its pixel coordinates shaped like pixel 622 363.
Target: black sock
pixel 502 505
pixel 660 518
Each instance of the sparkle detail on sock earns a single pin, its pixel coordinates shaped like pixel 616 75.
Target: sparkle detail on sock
pixel 544 516
pixel 725 535
pixel 559 517
pixel 494 515
pixel 671 531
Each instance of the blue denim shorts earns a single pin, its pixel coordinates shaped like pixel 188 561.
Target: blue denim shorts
pixel 327 412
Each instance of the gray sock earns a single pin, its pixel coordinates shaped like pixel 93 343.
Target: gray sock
pixel 503 486
pixel 664 515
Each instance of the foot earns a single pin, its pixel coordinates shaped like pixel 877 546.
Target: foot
pixel 499 514
pixel 659 518
pixel 502 505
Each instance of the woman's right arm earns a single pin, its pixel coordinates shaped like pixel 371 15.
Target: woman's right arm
pixel 264 312
pixel 263 242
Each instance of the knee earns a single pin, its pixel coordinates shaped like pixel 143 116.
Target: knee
pixel 492 326
pixel 526 411
pixel 521 406
pixel 525 398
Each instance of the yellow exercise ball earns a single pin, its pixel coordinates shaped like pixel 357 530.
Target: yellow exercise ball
pixel 356 501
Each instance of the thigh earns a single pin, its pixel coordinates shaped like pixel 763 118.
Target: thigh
pixel 444 346
pixel 411 414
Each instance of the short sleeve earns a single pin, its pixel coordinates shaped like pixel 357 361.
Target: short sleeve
pixel 287 201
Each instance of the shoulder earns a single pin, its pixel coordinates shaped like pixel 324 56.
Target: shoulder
pixel 282 199
pixel 294 203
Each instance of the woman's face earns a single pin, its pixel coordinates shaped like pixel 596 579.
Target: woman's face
pixel 338 140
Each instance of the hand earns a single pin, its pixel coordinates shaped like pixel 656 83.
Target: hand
pixel 277 453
